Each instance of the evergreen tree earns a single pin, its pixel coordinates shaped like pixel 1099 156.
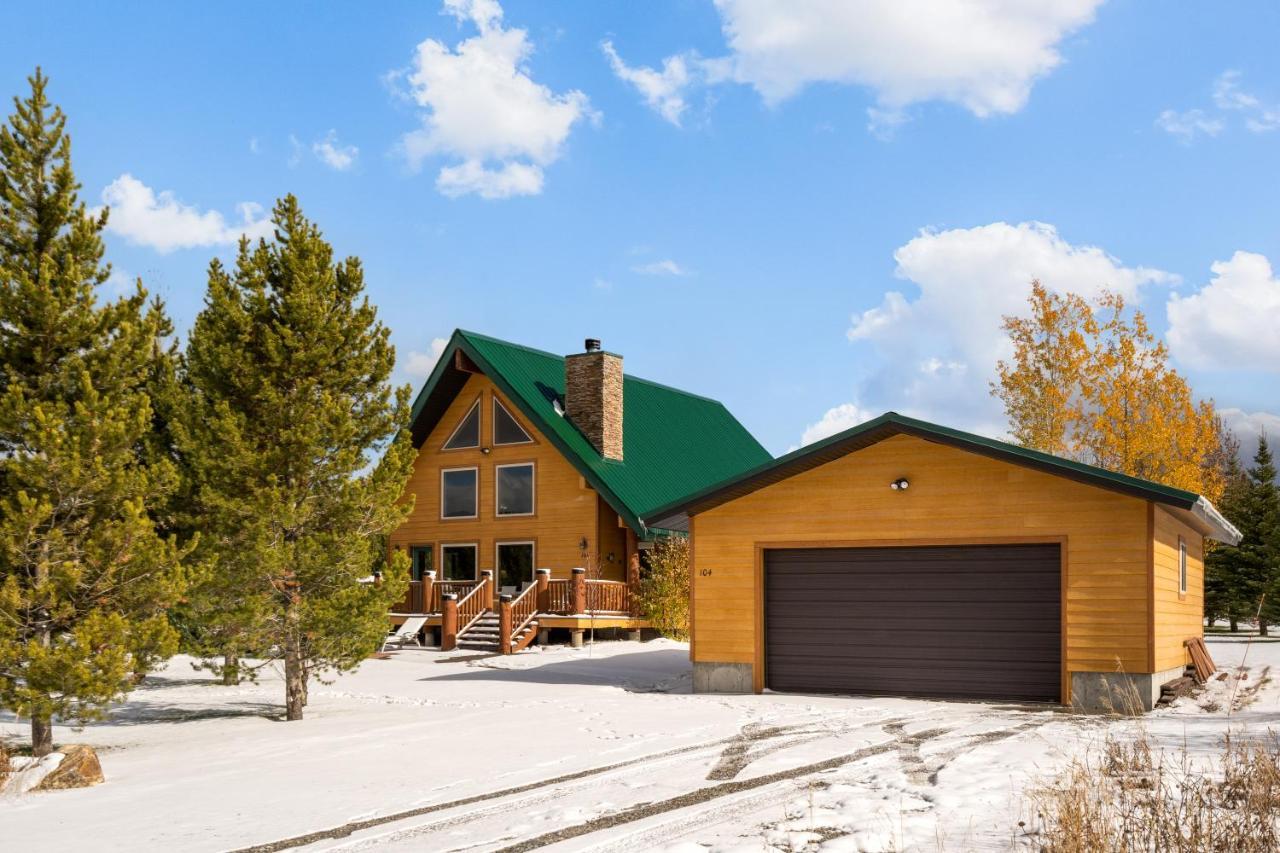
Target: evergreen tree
pixel 85 578
pixel 1226 591
pixel 1255 559
pixel 289 371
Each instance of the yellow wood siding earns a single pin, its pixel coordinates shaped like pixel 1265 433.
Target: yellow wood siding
pixel 564 506
pixel 611 542
pixel 1177 616
pixel 954 497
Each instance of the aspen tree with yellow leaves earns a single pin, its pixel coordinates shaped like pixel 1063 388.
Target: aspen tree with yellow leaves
pixel 1091 382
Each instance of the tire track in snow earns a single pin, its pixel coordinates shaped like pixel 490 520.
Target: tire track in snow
pixel 347 829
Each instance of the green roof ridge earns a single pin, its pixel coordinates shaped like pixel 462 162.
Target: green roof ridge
pixel 1093 472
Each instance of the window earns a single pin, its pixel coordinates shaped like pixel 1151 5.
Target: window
pixel 1182 566
pixel 514 491
pixel 420 561
pixel 467 433
pixel 458 492
pixel 458 562
pixel 506 429
pixel 515 564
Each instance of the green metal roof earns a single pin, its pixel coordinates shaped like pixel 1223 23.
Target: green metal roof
pixel 892 423
pixel 674 442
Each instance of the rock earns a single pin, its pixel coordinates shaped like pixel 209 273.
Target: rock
pixel 79 768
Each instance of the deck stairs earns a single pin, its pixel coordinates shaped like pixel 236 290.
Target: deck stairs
pixel 483 635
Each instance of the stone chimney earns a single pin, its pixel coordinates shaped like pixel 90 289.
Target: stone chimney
pixel 593 397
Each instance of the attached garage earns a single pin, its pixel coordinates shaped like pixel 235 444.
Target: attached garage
pixel 958 621
pixel 909 559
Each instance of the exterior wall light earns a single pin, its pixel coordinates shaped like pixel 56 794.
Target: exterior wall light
pixel 486 450
pixel 900 484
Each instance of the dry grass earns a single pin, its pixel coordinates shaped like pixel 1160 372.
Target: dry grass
pixel 4 762
pixel 1132 797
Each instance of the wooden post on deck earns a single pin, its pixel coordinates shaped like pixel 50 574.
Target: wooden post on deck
pixel 486 577
pixel 543 579
pixel 428 583
pixel 448 622
pixel 504 623
pixel 579 595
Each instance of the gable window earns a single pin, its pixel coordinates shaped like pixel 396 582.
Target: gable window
pixel 514 491
pixel 515 565
pixel 467 432
pixel 458 487
pixel 458 562
pixel 506 429
pixel 420 561
pixel 1182 565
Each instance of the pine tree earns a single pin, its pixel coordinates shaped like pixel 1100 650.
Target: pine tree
pixel 288 369
pixel 1225 591
pixel 85 578
pixel 1256 560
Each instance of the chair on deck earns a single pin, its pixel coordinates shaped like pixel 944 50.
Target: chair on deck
pixel 406 633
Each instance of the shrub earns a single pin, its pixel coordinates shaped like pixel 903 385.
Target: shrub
pixel 664 590
pixel 4 763
pixel 1131 796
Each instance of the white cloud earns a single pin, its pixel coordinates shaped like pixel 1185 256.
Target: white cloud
pixel 161 222
pixel 295 151
pixel 1248 425
pixel 1232 322
pixel 482 108
pixel 420 364
pixel 254 147
pixel 471 176
pixel 663 90
pixel 937 350
pixel 333 153
pixel 1188 125
pixel 837 419
pixel 1229 99
pixel 663 267
pixel 982 54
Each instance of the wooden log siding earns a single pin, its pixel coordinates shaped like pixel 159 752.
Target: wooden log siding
pixel 1178 615
pixel 566 507
pixel 956 497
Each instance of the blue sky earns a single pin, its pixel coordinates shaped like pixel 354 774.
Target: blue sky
pixel 812 229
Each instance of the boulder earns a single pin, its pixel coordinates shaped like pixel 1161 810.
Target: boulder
pixel 79 768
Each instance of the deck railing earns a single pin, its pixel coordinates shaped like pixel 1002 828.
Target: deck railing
pixel 608 597
pixel 475 603
pixel 559 597
pixel 514 615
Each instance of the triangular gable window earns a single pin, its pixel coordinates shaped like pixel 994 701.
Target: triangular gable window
pixel 506 429
pixel 467 433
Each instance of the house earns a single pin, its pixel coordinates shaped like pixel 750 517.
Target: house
pixel 532 476
pixel 905 558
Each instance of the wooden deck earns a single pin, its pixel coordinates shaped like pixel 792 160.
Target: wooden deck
pixel 576 604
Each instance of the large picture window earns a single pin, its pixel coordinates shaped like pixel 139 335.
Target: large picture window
pixel 458 487
pixel 514 490
pixel 467 432
pixel 515 565
pixel 458 562
pixel 420 561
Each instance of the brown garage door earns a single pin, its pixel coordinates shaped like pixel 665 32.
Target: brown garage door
pixel 974 622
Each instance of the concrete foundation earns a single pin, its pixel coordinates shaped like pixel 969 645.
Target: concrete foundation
pixel 544 636
pixel 575 639
pixel 709 677
pixel 1119 692
pixel 634 636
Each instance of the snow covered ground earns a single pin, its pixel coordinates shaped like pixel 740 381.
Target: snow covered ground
pixel 602 748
